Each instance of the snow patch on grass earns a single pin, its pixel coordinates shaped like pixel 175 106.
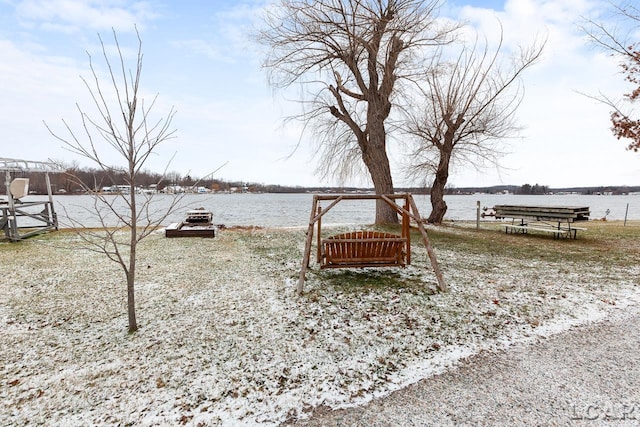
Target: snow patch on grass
pixel 224 339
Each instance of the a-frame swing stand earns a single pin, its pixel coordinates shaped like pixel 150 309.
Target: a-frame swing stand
pixel 366 248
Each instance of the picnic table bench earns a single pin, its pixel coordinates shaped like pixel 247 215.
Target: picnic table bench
pixel 556 220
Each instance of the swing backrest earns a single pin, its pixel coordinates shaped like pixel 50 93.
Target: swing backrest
pixel 363 249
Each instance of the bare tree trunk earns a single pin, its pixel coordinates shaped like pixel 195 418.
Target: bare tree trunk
pixel 131 298
pixel 438 205
pixel 374 155
pixel 131 273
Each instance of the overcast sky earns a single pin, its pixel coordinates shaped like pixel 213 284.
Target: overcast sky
pixel 199 58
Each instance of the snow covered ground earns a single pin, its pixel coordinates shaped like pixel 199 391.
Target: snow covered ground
pixel 224 340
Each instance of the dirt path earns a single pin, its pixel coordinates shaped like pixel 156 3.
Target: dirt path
pixel 587 376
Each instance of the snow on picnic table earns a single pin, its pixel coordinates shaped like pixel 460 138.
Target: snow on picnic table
pixel 224 340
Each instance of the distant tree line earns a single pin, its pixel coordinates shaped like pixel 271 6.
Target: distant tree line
pixel 98 179
pixel 76 179
pixel 533 189
pixel 69 183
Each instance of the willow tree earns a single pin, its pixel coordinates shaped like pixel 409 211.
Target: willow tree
pixel 124 127
pixel 468 106
pixel 351 58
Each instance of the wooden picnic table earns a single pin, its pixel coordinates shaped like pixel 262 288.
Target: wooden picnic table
pixel 557 220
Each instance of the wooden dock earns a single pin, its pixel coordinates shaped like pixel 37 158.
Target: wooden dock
pixel 197 224
pixel 180 229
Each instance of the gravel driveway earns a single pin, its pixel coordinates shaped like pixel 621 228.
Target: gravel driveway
pixel 589 375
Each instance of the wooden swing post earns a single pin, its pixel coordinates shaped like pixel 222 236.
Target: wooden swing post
pixel 307 246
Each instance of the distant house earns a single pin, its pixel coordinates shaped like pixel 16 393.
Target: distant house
pixel 173 189
pixel 116 189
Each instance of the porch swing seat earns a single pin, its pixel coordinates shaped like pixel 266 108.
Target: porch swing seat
pixel 364 249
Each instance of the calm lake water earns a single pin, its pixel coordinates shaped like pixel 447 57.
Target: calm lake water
pixel 290 210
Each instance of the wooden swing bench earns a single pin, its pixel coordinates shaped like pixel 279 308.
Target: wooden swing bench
pixel 368 248
pixel 364 249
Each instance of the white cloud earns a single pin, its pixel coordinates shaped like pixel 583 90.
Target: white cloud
pixel 228 37
pixel 226 111
pixel 35 88
pixel 201 48
pixel 71 16
pixel 566 138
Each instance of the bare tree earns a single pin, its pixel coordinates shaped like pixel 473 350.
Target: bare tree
pixel 350 57
pixel 621 43
pixel 123 125
pixel 468 106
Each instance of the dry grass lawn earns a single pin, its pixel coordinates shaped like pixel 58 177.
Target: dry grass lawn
pixel 225 340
